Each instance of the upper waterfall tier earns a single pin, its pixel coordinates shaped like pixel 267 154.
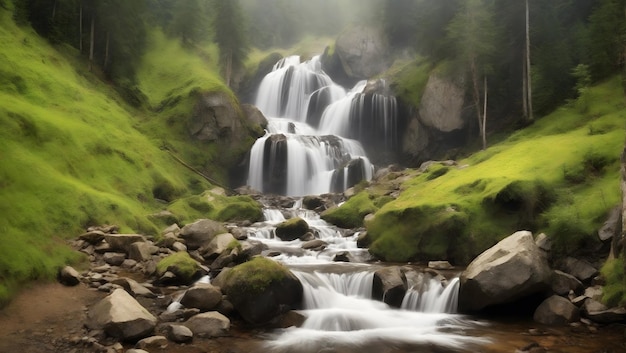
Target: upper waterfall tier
pixel 316 131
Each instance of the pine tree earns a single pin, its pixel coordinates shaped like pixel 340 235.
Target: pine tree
pixel 230 37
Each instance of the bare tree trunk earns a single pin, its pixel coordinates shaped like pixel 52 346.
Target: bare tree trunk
pixel 54 10
pixel 80 28
pixel 528 76
pixel 524 87
pixel 476 94
pixel 91 43
pixel 483 131
pixel 106 53
pixel 229 67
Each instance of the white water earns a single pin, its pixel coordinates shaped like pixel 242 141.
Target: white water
pixel 295 158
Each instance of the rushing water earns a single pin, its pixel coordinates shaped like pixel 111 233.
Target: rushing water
pixel 315 131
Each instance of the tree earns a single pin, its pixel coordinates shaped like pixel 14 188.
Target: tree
pixel 528 93
pixel 472 32
pixel 189 21
pixel 607 27
pixel 230 37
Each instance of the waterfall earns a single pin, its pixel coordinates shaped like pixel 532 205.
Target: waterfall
pixel 316 131
pixel 433 298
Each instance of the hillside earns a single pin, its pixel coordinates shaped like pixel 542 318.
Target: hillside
pixel 74 154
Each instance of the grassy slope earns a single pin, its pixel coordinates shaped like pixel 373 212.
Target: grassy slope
pixel 459 213
pixel 73 154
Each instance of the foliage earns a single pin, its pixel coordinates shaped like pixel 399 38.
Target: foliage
pixel 607 36
pixel 213 204
pixel 614 292
pixel 230 37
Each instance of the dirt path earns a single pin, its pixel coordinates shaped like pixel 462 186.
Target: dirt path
pixel 46 318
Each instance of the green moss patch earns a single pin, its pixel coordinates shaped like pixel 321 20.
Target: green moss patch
pixel 614 292
pixel 181 264
pixel 254 277
pixel 217 206
pixel 352 212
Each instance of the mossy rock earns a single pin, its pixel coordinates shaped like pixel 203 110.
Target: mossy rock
pixel 262 289
pixel 182 265
pixel 240 208
pixel 421 233
pixel 292 229
pixel 352 212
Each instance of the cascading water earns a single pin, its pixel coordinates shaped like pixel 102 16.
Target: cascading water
pixel 315 130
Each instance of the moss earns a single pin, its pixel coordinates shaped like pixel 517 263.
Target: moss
pixel 240 208
pixel 181 264
pixel 614 292
pixel 409 80
pixel 436 171
pixel 254 277
pixel 292 228
pixel 352 212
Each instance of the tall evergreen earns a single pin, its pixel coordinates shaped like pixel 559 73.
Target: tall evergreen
pixel 230 37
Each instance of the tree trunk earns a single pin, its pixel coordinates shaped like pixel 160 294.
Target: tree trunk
pixel 80 28
pixel 529 84
pixel 524 86
pixel 476 94
pixel 106 53
pixel 483 131
pixel 229 67
pixel 54 10
pixel 91 42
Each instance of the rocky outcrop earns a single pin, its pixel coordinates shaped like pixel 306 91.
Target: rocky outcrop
pixel 261 290
pixel 122 317
pixel 200 232
pixel 360 53
pixel 509 271
pixel 441 105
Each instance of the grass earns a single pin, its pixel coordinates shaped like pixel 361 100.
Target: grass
pixel 519 183
pixel 74 154
pixel 409 79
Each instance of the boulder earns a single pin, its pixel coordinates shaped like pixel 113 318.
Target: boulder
pixel 114 258
pixel 509 271
pixel 142 251
pixel 595 293
pixel 580 269
pixel 154 342
pixel 211 324
pixel 92 237
pixel 389 286
pixel 181 267
pixel 178 247
pixel 292 229
pixel 179 333
pixel 133 288
pixel 69 276
pixel 611 226
pixel 219 244
pixel 562 283
pixel 122 242
pixel 316 244
pixel 543 242
pixel 556 310
pixel 122 317
pixel 440 265
pixel 202 296
pixel 200 232
pixel 441 105
pixel 261 289
pixel 608 316
pixel 362 52
pixel 214 116
pixel 136 350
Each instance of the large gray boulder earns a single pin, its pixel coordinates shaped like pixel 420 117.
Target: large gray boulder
pixel 202 296
pixel 218 245
pixel 389 286
pixel 580 269
pixel 122 317
pixel 362 52
pixel 215 115
pixel 142 251
pixel 211 324
pixel 69 276
pixel 562 283
pixel 292 229
pixel 556 310
pixel 509 271
pixel 200 232
pixel 122 242
pixel 441 105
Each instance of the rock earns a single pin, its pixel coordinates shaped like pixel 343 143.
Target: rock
pixel 248 249
pixel 317 245
pixel 122 317
pixel 580 269
pixel 556 310
pixel 591 306
pixel 562 283
pixel 93 237
pixel 441 105
pixel 178 247
pixel 129 263
pixel 363 240
pixel 312 202
pixel 389 286
pixel 68 276
pixel 133 288
pixel 211 324
pixel 102 247
pixel 261 289
pixel 135 350
pixel 179 333
pixel 608 316
pixel 308 236
pixel 219 244
pixel 142 251
pixel 611 226
pixel 181 267
pixel 114 258
pixel 200 232
pixel 440 265
pixel 177 315
pixel 343 256
pixel 202 296
pixel 594 293
pixel 290 319
pixel 122 242
pixel 154 342
pixel 510 270
pixel 362 52
pixel 543 242
pixel 292 229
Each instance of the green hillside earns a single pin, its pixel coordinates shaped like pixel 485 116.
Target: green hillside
pixel 74 154
pixel 558 176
